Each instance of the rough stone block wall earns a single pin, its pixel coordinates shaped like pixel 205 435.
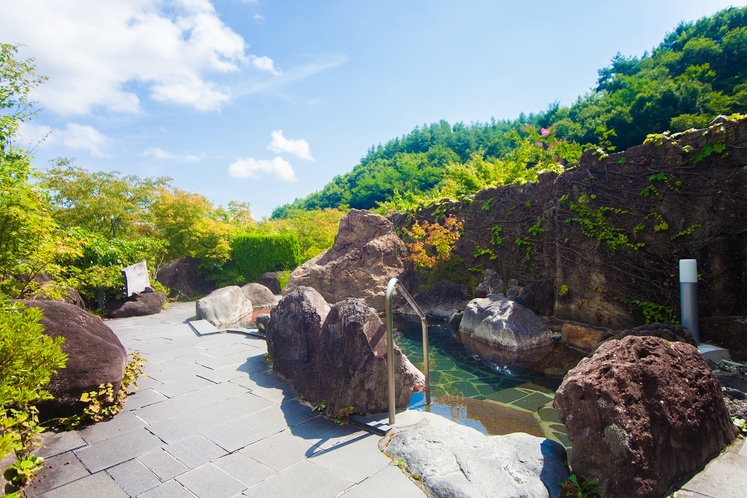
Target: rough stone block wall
pixel 601 242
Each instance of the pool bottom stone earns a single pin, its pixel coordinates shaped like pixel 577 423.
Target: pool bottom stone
pixel 484 396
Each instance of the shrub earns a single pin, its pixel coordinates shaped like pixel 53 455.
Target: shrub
pixel 253 255
pixel 28 359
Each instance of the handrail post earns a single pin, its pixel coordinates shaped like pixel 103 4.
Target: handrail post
pixel 395 283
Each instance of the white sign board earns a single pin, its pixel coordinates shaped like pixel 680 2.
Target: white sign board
pixel 136 278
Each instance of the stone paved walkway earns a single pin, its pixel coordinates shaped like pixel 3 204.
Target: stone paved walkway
pixel 209 420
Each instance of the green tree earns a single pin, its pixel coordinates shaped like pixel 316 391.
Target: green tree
pixel 190 226
pixel 29 238
pixel 101 202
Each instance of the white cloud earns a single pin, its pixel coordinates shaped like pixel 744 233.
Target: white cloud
pixel 254 168
pixel 263 64
pixel 299 148
pixel 74 136
pixel 97 53
pixel 259 17
pixel 159 153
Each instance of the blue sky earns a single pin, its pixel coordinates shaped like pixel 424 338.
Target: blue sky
pixel 266 101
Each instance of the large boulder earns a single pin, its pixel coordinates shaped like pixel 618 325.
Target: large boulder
pixel 366 254
pixel 352 362
pixel 224 306
pixel 95 356
pixel 336 355
pixel 261 297
pixel 504 324
pixel 641 414
pixel 453 460
pixel 293 337
pixel 439 301
pixel 138 304
pixel 582 336
pixel 180 275
pixel 271 280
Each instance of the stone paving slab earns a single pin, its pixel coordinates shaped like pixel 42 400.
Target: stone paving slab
pixel 54 443
pixel 304 478
pixel 389 481
pixel 92 486
pixel 359 449
pixel 163 464
pixel 143 397
pixel 243 468
pixel 59 469
pixel 133 477
pixel 110 452
pixel 169 489
pixel 208 481
pixel 195 451
pixel 123 423
pixel 724 477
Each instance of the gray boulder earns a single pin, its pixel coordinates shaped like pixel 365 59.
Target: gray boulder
pixel 138 304
pixel 366 254
pixel 293 337
pixel 224 306
pixel 492 283
pixel 181 277
pixel 505 324
pixel 271 280
pixel 439 301
pixel 260 296
pixel 261 321
pixel 453 460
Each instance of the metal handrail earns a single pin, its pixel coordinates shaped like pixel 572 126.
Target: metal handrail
pixel 390 344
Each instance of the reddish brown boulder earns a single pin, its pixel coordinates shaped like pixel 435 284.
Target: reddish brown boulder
pixel 352 362
pixel 180 275
pixel 642 413
pixel 95 356
pixel 336 355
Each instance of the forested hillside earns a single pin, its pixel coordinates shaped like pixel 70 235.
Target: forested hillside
pixel 698 72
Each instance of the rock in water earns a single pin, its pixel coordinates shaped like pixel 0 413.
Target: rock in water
pixel 95 356
pixel 366 254
pixel 642 413
pixel 503 323
pixel 260 296
pixel 453 460
pixel 224 306
pixel 439 301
